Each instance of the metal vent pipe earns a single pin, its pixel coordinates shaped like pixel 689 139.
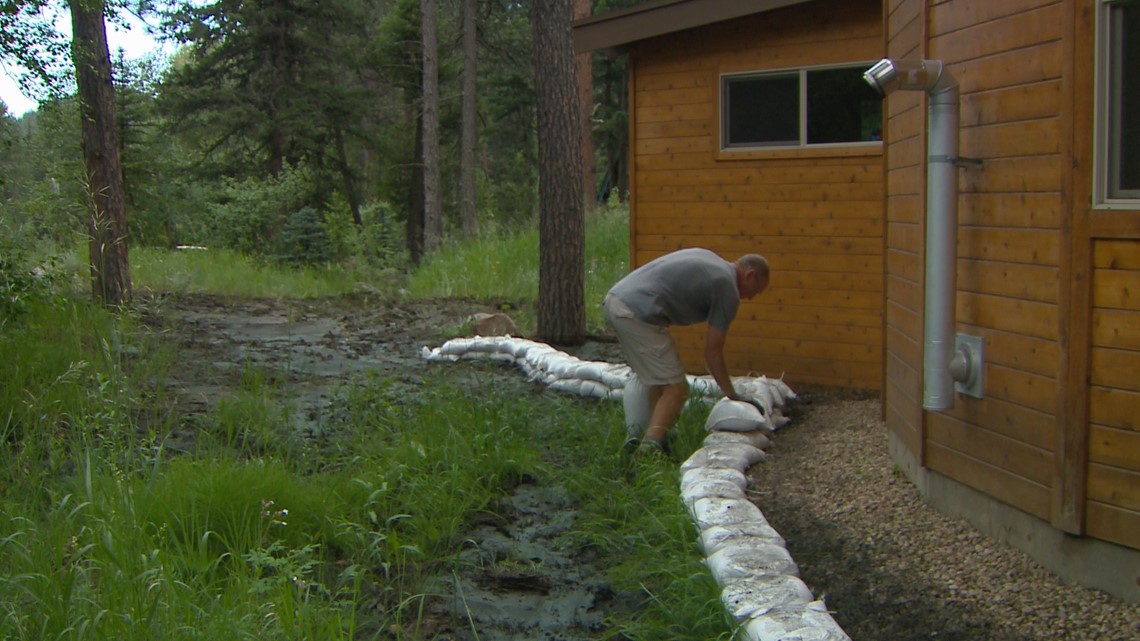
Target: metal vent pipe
pixel 940 356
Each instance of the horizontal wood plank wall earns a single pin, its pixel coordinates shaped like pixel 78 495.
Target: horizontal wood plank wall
pixel 1114 409
pixel 816 215
pixel 1007 57
pixel 905 209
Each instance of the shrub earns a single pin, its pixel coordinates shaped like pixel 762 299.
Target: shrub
pixel 303 240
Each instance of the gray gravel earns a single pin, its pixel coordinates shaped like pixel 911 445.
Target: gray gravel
pixel 891 567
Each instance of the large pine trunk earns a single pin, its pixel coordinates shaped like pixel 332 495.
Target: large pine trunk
pixel 107 219
pixel 561 229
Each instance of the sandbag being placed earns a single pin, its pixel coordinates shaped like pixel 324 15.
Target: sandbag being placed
pixel 735 416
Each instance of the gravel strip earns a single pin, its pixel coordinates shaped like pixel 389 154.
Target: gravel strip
pixel 891 567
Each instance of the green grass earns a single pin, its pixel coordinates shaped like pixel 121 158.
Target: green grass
pixel 109 531
pixel 229 273
pixel 504 267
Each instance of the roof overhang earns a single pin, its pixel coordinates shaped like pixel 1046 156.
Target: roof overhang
pixel 614 30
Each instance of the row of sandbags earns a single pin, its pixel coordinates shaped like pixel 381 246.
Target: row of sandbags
pixel 571 375
pixel 759 580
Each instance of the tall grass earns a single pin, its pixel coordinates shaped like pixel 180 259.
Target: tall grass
pixel 504 267
pixel 230 273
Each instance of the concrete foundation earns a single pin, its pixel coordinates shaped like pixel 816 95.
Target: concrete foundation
pixel 1086 561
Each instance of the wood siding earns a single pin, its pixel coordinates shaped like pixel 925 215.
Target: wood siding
pixel 1047 280
pixel 1114 405
pixel 905 189
pixel 815 214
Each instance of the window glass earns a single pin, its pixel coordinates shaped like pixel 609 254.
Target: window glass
pixel 1124 101
pixel 842 107
pixel 762 110
pixel 800 107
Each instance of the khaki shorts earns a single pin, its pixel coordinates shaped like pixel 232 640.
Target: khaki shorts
pixel 649 349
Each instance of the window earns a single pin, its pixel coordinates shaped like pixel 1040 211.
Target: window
pixel 1118 112
pixel 818 106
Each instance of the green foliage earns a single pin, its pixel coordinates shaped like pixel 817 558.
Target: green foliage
pixel 250 212
pixel 303 240
pixel 377 243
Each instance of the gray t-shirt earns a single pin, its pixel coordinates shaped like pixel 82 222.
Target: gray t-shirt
pixel 682 288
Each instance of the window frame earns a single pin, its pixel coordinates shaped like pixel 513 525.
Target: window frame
pixel 1107 102
pixel 802 145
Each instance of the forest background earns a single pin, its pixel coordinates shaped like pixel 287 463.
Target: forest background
pixel 306 133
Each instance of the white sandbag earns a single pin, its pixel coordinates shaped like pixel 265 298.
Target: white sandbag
pixel 810 622
pixel 739 457
pixel 756 439
pixel 752 596
pixel 594 389
pixel 436 354
pixel 635 401
pixel 711 511
pixel 704 474
pixel 735 416
pixel 615 375
pixel 750 558
pixel 717 537
pixel 712 488
pixel 570 386
pixel 779 420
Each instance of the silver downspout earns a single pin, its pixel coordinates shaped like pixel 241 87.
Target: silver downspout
pixel 945 360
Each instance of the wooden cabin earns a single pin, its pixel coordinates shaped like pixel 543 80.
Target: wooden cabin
pixel 707 172
pixel 1046 454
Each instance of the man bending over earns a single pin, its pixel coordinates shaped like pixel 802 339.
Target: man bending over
pixel 685 287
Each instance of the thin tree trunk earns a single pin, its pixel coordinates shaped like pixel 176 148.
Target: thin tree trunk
pixel 346 174
pixel 107 222
pixel 561 227
pixel 433 204
pixel 467 211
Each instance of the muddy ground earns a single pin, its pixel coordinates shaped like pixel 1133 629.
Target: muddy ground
pixel 888 566
pixel 311 347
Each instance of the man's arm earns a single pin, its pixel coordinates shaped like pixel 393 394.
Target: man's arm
pixel 714 359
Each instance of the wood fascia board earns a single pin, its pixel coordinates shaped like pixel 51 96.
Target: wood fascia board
pixel 613 30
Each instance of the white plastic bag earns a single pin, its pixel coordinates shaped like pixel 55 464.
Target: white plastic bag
pixel 735 416
pixel 635 400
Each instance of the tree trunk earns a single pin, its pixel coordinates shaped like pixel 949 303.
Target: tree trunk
pixel 107 222
pixel 561 227
pixel 433 204
pixel 586 99
pixel 350 190
pixel 467 212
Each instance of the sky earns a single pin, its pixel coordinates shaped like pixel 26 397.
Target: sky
pixel 134 42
